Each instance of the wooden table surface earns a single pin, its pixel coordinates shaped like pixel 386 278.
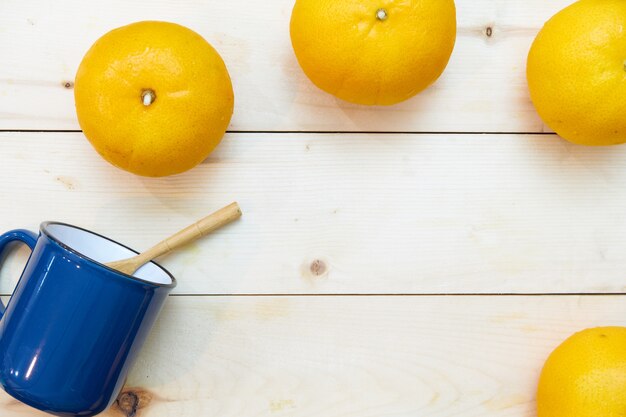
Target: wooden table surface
pixel 415 260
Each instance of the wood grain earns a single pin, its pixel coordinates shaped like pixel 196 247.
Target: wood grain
pixel 482 90
pixel 351 356
pixel 349 213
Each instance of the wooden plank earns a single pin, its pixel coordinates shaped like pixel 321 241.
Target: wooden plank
pixel 483 89
pixel 352 356
pixel 348 213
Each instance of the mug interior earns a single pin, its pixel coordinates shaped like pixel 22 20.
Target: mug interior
pixel 103 250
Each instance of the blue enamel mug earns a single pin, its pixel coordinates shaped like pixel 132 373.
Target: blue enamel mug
pixel 73 327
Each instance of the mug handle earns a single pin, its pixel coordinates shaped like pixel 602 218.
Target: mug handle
pixel 20 235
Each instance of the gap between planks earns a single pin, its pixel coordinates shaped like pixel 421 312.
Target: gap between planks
pixel 319 132
pixel 433 295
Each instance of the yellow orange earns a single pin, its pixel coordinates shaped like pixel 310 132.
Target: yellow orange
pixel 585 376
pixel 577 72
pixel 376 52
pixel 153 98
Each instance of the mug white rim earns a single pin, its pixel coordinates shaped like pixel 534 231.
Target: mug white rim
pixel 44 230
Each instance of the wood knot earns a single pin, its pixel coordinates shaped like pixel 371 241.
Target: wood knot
pixel 314 269
pixel 130 402
pixel 318 268
pixel 68 84
pixel 488 31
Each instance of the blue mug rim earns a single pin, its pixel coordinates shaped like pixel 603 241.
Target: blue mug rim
pixel 43 228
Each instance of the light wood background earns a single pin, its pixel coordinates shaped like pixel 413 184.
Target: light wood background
pixel 421 259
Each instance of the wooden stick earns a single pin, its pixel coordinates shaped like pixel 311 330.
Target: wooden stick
pixel 189 234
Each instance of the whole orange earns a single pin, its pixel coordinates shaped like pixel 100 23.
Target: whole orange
pixel 576 72
pixel 153 98
pixel 376 52
pixel 585 376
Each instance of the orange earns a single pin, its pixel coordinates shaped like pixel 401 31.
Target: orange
pixel 585 376
pixel 376 52
pixel 153 98
pixel 577 72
